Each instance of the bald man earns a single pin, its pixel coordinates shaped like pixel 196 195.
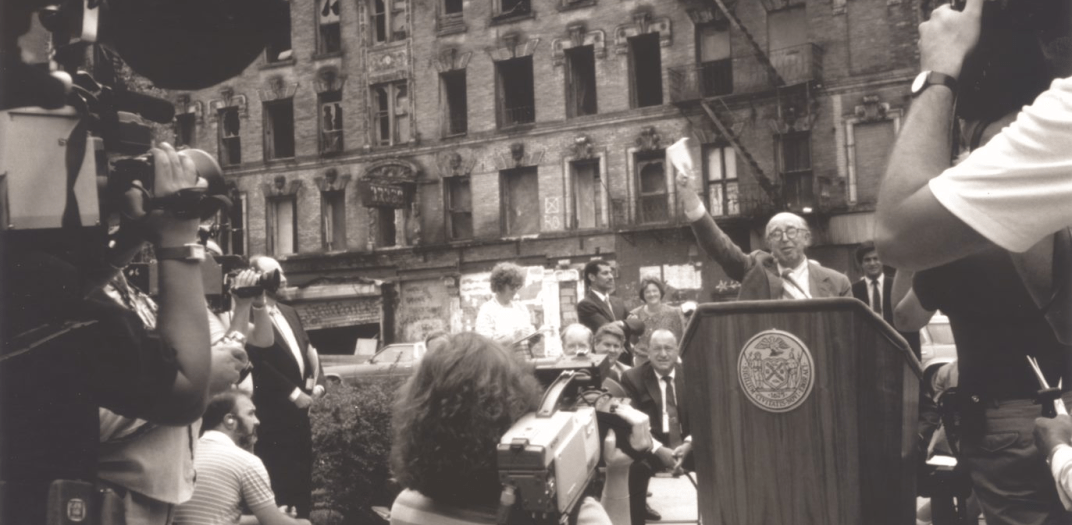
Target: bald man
pixel 783 273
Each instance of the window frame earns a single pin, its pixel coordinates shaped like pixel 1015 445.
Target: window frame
pixel 185 129
pixel 270 132
pixel 452 114
pixel 391 92
pixel 275 202
pixel 331 141
pixel 389 15
pixel 600 196
pixel 335 201
pixel 227 231
pixel 322 40
pixel 803 179
pixel 506 223
pixel 574 107
pixel 279 57
pixel 450 209
pixel 228 143
pixel 641 160
pixel 512 117
pixel 727 207
pixel 634 64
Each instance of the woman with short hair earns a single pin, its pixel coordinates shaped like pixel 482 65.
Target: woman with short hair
pixel 656 315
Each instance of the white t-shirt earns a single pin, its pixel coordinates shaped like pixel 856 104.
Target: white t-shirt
pixel 1018 187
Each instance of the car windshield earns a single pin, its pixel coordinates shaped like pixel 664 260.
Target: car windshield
pixel 394 354
pixel 941 333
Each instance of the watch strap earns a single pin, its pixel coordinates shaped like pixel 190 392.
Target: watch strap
pixel 187 252
pixel 938 79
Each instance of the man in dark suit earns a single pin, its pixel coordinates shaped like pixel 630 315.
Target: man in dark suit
pixel 284 385
pixel 657 388
pixel 782 273
pixel 599 307
pixel 875 289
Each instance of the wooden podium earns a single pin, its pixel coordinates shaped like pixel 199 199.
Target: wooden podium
pixel 803 413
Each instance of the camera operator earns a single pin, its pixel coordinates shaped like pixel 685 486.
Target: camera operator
pixel 989 295
pixel 448 420
pixel 64 355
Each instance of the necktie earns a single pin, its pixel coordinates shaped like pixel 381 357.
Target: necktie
pixel 671 413
pixel 876 297
pixel 787 277
pixel 611 308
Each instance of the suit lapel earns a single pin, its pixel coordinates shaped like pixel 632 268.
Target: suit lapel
pixel 774 281
pixel 602 305
pixel 651 382
pixel 819 282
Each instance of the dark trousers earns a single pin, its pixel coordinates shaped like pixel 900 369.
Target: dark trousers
pixel 1009 475
pixel 640 474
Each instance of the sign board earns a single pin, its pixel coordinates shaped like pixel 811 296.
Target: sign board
pixel 422 310
pixel 380 195
pixel 333 314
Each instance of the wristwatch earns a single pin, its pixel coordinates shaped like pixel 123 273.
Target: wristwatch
pixel 192 252
pixel 927 79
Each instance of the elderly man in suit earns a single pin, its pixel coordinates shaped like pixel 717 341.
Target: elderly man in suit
pixel 657 388
pixel 875 289
pixel 782 273
pixel 284 385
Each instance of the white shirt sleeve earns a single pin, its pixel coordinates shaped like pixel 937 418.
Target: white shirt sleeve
pixel 1061 467
pixel 1017 188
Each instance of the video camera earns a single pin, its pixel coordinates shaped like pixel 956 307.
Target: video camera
pixel 550 456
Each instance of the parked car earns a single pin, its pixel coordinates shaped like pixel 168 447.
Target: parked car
pixel 397 360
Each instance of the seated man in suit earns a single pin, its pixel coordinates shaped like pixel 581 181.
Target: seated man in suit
pixel 782 273
pixel 657 389
pixel 875 289
pixel 610 340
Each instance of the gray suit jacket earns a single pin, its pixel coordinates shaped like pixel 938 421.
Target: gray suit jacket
pixel 758 271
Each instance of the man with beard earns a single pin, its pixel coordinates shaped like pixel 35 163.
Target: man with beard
pixel 229 476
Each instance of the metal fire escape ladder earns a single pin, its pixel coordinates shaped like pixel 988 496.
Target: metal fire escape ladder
pixel 764 182
pixel 761 55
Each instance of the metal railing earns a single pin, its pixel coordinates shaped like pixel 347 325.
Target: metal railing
pixel 745 74
pixel 513 116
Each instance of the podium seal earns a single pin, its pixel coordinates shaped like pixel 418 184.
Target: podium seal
pixel 776 371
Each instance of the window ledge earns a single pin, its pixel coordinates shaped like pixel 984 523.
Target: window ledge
pixel 282 63
pixel 455 135
pixel 568 5
pixel 280 161
pixel 450 25
pixel 518 127
pixel 325 56
pixel 501 20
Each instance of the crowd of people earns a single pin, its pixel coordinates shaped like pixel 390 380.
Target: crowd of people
pixel 182 414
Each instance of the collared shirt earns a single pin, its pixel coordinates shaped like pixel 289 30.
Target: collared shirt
pixel 283 326
pixel 227 478
pixel 800 277
pixel 871 287
pixel 606 300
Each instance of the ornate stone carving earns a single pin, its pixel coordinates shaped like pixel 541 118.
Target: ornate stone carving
pixel 511 45
pixel 388 63
pixel 451 59
pixel 228 99
pixel 577 37
pixel 454 164
pixel 517 156
pixel 332 180
pixel 328 79
pixel 281 187
pixel 649 139
pixel 582 147
pixel 872 110
pixel 184 105
pixel 392 170
pixel 278 89
pixel 643 23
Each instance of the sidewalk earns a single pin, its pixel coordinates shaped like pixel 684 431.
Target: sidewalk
pixel 674 498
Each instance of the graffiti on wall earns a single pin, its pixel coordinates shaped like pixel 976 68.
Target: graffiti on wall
pixel 422 309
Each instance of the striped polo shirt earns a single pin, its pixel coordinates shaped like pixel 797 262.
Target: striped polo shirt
pixel 227 477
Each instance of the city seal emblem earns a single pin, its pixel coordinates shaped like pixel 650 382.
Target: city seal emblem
pixel 776 371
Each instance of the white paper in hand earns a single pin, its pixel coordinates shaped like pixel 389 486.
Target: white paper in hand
pixel 679 156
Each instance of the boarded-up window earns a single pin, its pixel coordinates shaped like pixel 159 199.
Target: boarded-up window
pixel 279 129
pixel 230 144
pixel 653 204
pixel 333 205
pixel 459 208
pixel 873 143
pixel 588 195
pixel 329 34
pixel 787 28
pixel 520 201
pixel 713 55
pixel 284 225
pixel 646 69
pixel 720 167
pixel 457 104
pixel 580 81
pixel 515 92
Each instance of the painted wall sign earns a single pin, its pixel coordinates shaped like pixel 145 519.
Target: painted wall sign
pixel 776 371
pixel 378 195
pixel 333 314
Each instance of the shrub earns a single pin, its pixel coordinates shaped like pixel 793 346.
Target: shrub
pixel 351 449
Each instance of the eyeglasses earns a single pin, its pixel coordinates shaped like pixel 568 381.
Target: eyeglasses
pixel 790 233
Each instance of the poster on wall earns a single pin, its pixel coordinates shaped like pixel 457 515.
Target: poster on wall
pixel 422 310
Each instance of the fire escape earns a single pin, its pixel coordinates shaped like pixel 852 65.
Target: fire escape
pixel 791 75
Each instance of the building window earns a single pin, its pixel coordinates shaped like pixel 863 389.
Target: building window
pixel 588 195
pixel 284 225
pixel 654 199
pixel 386 230
pixel 452 7
pixel 330 122
pixel 580 81
pixel 787 28
pixel 457 104
pixel 279 46
pixel 185 128
pixel 713 54
pixel 329 33
pixel 720 177
pixel 646 70
pixel 512 8
pixel 871 145
pixel 520 201
pixel 390 103
pixel 388 21
pixel 232 226
pixel 230 144
pixel 459 208
pixel 795 152
pixel 279 129
pixel 514 91
pixel 333 208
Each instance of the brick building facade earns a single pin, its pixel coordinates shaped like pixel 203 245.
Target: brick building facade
pixel 389 152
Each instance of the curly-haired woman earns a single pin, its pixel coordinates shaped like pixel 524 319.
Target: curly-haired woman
pixel 656 315
pixel 502 318
pixel 448 420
